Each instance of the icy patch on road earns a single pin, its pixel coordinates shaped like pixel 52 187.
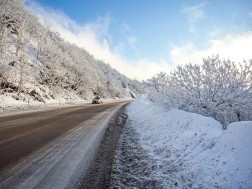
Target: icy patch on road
pixel 177 149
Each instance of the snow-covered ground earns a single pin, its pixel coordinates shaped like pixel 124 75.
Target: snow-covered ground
pixel 163 148
pixel 7 103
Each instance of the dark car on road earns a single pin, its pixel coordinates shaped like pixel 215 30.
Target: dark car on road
pixel 97 100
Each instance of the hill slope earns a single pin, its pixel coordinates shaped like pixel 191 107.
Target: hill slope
pixel 37 65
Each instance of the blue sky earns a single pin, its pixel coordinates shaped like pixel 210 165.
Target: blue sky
pixel 151 36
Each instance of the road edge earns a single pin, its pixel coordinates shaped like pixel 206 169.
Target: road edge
pixel 98 175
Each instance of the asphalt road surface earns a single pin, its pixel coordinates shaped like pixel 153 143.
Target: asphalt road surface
pixel 51 148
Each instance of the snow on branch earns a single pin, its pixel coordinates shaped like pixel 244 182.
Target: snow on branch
pixel 218 88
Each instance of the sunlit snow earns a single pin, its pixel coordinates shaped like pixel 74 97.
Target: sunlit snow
pixel 190 150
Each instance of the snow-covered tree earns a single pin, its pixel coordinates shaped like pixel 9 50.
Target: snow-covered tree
pixel 221 89
pixel 12 38
pixel 35 62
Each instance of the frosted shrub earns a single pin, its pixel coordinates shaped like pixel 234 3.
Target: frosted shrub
pixel 158 88
pixel 220 89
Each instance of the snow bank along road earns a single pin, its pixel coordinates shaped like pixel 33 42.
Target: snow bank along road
pixel 51 148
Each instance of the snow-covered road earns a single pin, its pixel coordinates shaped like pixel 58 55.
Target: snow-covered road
pixel 62 162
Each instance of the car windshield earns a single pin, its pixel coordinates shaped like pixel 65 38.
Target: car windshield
pixel 97 97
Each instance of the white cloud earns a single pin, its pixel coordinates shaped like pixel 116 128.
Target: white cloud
pixel 132 39
pixel 250 14
pixel 236 47
pixel 94 37
pixel 215 32
pixel 194 13
pixel 126 27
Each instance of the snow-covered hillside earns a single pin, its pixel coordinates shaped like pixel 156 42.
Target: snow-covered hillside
pixel 182 150
pixel 38 66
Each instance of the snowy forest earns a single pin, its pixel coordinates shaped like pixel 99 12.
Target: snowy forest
pixel 36 64
pixel 217 88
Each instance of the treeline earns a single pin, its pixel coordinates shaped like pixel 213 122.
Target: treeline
pixel 36 63
pixel 217 88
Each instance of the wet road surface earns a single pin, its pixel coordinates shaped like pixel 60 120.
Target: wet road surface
pixel 51 148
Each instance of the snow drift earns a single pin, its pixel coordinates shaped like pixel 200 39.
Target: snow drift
pixel 192 151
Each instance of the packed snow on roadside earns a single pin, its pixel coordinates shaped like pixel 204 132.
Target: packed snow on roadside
pixel 8 103
pixel 184 150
